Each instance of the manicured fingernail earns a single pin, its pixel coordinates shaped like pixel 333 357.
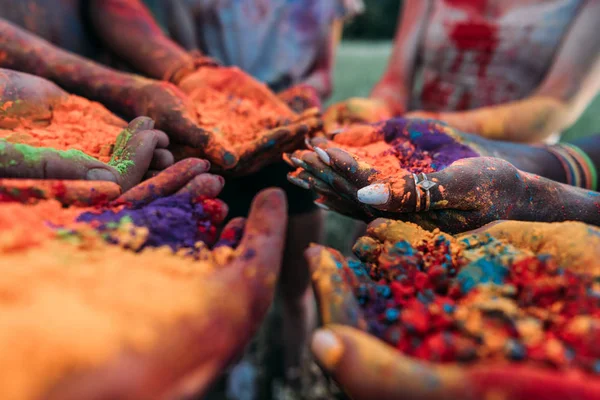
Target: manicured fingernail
pixel 323 155
pixel 287 159
pixel 297 162
pixel 335 132
pixel 229 159
pixel 327 348
pixel 99 174
pixel 375 194
pixel 322 206
pixel 298 182
pixel 307 143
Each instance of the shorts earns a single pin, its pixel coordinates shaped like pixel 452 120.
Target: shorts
pixel 239 192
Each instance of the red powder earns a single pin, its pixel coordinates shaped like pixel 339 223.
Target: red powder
pixel 76 123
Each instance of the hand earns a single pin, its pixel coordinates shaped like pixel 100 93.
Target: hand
pixel 355 110
pixel 457 121
pixel 275 128
pixel 367 368
pixel 188 356
pixel 139 148
pixel 301 98
pixel 174 113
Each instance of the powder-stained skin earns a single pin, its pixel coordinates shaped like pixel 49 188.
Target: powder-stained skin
pixel 514 293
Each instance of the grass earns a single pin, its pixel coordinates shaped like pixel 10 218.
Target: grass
pixel 358 67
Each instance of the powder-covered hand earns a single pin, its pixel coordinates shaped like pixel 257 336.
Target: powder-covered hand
pixel 139 150
pixel 365 367
pixel 355 110
pixel 301 97
pixel 175 114
pixel 192 353
pixel 257 125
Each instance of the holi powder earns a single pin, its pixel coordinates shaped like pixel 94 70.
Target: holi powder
pixel 234 105
pixel 76 124
pixel 400 146
pixel 80 285
pixel 477 300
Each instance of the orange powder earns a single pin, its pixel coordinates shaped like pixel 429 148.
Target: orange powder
pixel 234 105
pixel 76 123
pixel 72 302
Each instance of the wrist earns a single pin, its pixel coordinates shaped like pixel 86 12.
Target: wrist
pixel 187 65
pixel 389 96
pixel 576 167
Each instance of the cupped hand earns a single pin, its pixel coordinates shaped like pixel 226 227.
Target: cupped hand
pixel 366 367
pixel 174 113
pixel 188 357
pixel 355 110
pixel 301 97
pixel 274 128
pixel 139 150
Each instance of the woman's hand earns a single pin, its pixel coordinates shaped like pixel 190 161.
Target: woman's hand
pixel 193 353
pixel 355 110
pixel 140 150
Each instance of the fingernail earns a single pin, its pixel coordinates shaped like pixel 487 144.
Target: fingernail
pixel 299 182
pixel 141 124
pixel 287 159
pixel 322 206
pixel 100 174
pixel 375 194
pixel 335 132
pixel 307 143
pixel 327 348
pixel 323 155
pixel 298 162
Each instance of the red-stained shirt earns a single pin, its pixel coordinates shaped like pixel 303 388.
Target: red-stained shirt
pixel 478 53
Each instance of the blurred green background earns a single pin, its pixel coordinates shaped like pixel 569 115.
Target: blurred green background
pixel 360 61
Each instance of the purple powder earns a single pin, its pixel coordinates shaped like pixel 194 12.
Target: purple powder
pixel 173 221
pixel 412 137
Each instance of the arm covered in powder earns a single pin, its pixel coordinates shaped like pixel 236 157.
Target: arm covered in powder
pixel 571 83
pixel 128 29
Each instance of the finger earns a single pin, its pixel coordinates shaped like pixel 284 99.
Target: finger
pixel 161 159
pixel 212 145
pixel 319 169
pixel 357 172
pixel 232 233
pixel 367 368
pixel 27 162
pixel 79 193
pixel 204 185
pixel 332 284
pixel 165 183
pixel 261 249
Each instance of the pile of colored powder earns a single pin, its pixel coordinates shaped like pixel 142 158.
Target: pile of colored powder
pixel 477 299
pixel 228 105
pixel 76 124
pixel 74 302
pixel 177 221
pixel 400 146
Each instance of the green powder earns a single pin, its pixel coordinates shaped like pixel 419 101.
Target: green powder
pixel 33 155
pixel 121 158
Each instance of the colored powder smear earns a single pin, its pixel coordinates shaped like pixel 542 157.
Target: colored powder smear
pixel 400 145
pixel 233 105
pixel 76 124
pixel 476 299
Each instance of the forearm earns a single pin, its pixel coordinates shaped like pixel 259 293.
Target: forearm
pixel 25 52
pixel 130 31
pixel 530 120
pixel 548 201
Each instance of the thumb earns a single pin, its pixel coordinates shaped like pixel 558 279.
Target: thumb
pixel 367 368
pixel 261 249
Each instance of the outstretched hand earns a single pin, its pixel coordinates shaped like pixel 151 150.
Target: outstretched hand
pixel 186 359
pixel 140 150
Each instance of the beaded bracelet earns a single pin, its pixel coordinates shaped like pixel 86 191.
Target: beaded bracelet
pixel 579 168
